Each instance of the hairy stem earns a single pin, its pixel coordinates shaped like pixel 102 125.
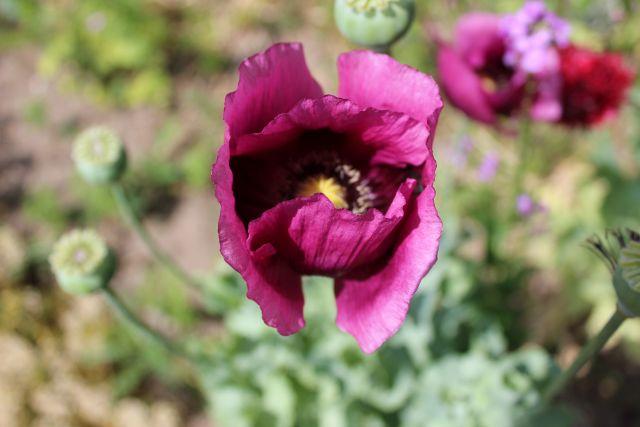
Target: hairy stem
pixel 386 49
pixel 140 327
pixel 127 211
pixel 593 347
pixel 524 151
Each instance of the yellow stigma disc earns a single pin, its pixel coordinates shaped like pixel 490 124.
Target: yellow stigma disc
pixel 489 84
pixel 327 186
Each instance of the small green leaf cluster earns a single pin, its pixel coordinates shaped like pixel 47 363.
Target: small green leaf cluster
pixel 116 52
pixel 113 50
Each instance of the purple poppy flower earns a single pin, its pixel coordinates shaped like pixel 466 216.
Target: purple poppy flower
pixel 473 73
pixel 494 58
pixel 313 184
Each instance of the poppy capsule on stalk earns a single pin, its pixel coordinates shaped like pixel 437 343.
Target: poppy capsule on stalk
pixel 99 155
pixel 621 252
pixel 626 279
pixel 374 23
pixel 82 262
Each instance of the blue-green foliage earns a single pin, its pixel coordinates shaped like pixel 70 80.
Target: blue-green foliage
pixel 448 366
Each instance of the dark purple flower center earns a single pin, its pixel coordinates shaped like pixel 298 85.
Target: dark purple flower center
pixel 495 73
pixel 499 81
pixel 315 162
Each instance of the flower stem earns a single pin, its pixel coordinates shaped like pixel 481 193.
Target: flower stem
pixel 141 328
pixel 592 347
pixel 128 212
pixel 524 146
pixel 386 49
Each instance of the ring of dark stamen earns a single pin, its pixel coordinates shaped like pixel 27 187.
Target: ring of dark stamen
pixel 359 193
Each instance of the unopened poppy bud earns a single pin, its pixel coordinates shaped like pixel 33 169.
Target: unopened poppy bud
pixel 628 297
pixel 374 23
pixel 82 262
pixel 620 249
pixel 99 155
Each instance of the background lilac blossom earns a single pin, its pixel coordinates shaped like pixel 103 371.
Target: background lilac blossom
pixel 533 33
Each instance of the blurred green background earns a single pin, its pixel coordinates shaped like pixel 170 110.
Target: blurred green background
pixel 510 299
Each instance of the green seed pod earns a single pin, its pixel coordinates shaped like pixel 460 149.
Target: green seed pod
pixel 99 155
pixel 630 264
pixel 81 262
pixel 374 23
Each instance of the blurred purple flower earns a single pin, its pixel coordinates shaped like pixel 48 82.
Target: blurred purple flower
pixel 526 206
pixel 473 73
pixel 461 151
pixel 489 167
